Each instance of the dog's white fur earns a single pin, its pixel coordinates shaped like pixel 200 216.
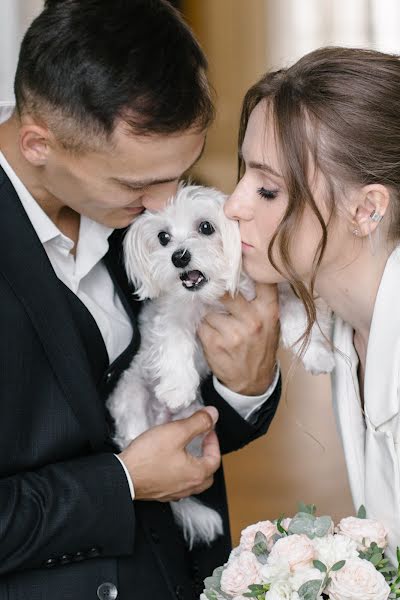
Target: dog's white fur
pixel 162 382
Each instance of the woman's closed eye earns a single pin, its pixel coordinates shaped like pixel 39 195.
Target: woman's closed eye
pixel 267 194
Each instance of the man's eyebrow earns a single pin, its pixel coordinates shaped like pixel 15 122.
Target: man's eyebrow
pixel 139 183
pixel 262 166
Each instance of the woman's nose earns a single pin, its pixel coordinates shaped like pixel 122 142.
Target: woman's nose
pixel 236 208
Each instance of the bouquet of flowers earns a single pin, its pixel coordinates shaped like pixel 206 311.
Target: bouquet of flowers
pixel 307 558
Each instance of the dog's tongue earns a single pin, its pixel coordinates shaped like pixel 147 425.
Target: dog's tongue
pixel 194 275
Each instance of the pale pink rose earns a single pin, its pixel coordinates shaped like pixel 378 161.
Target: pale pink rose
pixel 285 523
pixel 358 529
pixel 240 573
pixel 358 580
pixel 297 550
pixel 248 535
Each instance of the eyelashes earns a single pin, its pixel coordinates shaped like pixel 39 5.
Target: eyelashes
pixel 267 194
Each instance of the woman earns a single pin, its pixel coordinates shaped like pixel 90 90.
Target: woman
pixel 318 204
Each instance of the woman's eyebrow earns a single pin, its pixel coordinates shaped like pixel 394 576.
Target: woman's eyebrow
pixel 262 166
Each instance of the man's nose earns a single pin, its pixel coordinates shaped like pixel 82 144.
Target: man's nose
pixel 181 258
pixel 157 199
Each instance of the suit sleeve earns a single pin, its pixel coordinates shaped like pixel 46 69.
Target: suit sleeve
pixel 67 511
pixel 235 432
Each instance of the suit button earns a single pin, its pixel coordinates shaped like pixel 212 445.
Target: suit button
pixel 65 559
pixel 154 536
pixel 78 556
pixel 179 592
pixel 51 562
pixel 93 553
pixel 109 376
pixel 107 591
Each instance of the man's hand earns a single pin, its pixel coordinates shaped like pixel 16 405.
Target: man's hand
pixel 241 347
pixel 160 466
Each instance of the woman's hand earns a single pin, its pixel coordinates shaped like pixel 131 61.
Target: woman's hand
pixel 240 347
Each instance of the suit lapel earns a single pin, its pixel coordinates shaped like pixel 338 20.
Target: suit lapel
pixel 25 266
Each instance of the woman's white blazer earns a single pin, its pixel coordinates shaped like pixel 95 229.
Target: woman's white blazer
pixel 371 437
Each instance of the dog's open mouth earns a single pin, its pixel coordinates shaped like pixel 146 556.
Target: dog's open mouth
pixel 193 280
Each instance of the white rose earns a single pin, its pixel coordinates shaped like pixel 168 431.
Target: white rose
pixel 358 580
pixel 296 550
pixel 272 572
pixel 248 535
pixel 239 573
pixel 330 549
pixel 301 576
pixel 281 591
pixel 358 529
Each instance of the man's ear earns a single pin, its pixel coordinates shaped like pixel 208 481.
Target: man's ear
pixel 35 142
pixel 371 205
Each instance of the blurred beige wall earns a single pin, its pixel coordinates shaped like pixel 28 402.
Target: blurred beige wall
pixel 300 459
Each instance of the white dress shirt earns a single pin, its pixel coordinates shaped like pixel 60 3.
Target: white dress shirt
pixel 86 275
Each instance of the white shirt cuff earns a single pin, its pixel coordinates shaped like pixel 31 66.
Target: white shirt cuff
pixel 246 406
pixel 129 478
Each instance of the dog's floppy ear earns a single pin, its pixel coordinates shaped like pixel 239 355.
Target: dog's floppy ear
pixel 232 250
pixel 138 259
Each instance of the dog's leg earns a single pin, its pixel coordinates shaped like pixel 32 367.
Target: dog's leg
pixel 178 378
pixel 129 405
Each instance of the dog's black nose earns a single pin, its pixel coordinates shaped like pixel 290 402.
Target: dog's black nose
pixel 181 258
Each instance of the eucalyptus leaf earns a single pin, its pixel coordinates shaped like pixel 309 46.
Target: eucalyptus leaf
pixel 337 566
pixel 361 513
pixel 320 566
pixel 305 523
pixel 310 590
pixel 307 508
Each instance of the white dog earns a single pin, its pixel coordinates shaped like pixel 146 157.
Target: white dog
pixel 183 259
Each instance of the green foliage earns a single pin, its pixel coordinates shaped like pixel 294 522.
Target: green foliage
pixel 310 590
pixel 310 525
pixel 337 566
pixel 257 591
pixel 362 513
pixel 260 548
pixel 279 527
pixel 375 555
pixel 307 508
pixel 320 566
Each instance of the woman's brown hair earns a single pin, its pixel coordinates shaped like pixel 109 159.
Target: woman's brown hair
pixel 337 110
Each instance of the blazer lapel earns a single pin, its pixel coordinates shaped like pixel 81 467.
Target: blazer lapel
pixel 25 266
pixel 383 353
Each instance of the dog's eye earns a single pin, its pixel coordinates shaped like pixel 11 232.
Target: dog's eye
pixel 164 238
pixel 206 228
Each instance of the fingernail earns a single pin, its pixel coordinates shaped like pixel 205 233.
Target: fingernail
pixel 213 412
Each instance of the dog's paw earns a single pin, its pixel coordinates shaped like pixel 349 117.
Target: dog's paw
pixel 175 399
pixel 318 359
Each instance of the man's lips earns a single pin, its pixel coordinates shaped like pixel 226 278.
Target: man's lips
pixel 134 209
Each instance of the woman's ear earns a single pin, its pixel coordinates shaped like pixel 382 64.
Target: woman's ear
pixel 371 205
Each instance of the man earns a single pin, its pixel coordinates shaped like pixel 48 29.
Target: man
pixel 112 110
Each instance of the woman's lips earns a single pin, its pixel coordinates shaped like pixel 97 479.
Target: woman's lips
pixel 246 246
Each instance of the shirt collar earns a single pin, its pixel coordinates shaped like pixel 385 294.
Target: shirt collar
pixel 93 236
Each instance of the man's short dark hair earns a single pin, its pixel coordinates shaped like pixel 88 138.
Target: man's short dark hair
pixel 85 64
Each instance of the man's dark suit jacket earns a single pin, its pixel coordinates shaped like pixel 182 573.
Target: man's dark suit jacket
pixel 68 527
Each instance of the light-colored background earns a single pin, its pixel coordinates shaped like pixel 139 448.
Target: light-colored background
pixel 300 458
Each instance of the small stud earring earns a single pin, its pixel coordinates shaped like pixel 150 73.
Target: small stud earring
pixel 375 216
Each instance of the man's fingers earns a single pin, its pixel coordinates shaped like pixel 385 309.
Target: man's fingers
pixel 199 423
pixel 236 305
pixel 211 452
